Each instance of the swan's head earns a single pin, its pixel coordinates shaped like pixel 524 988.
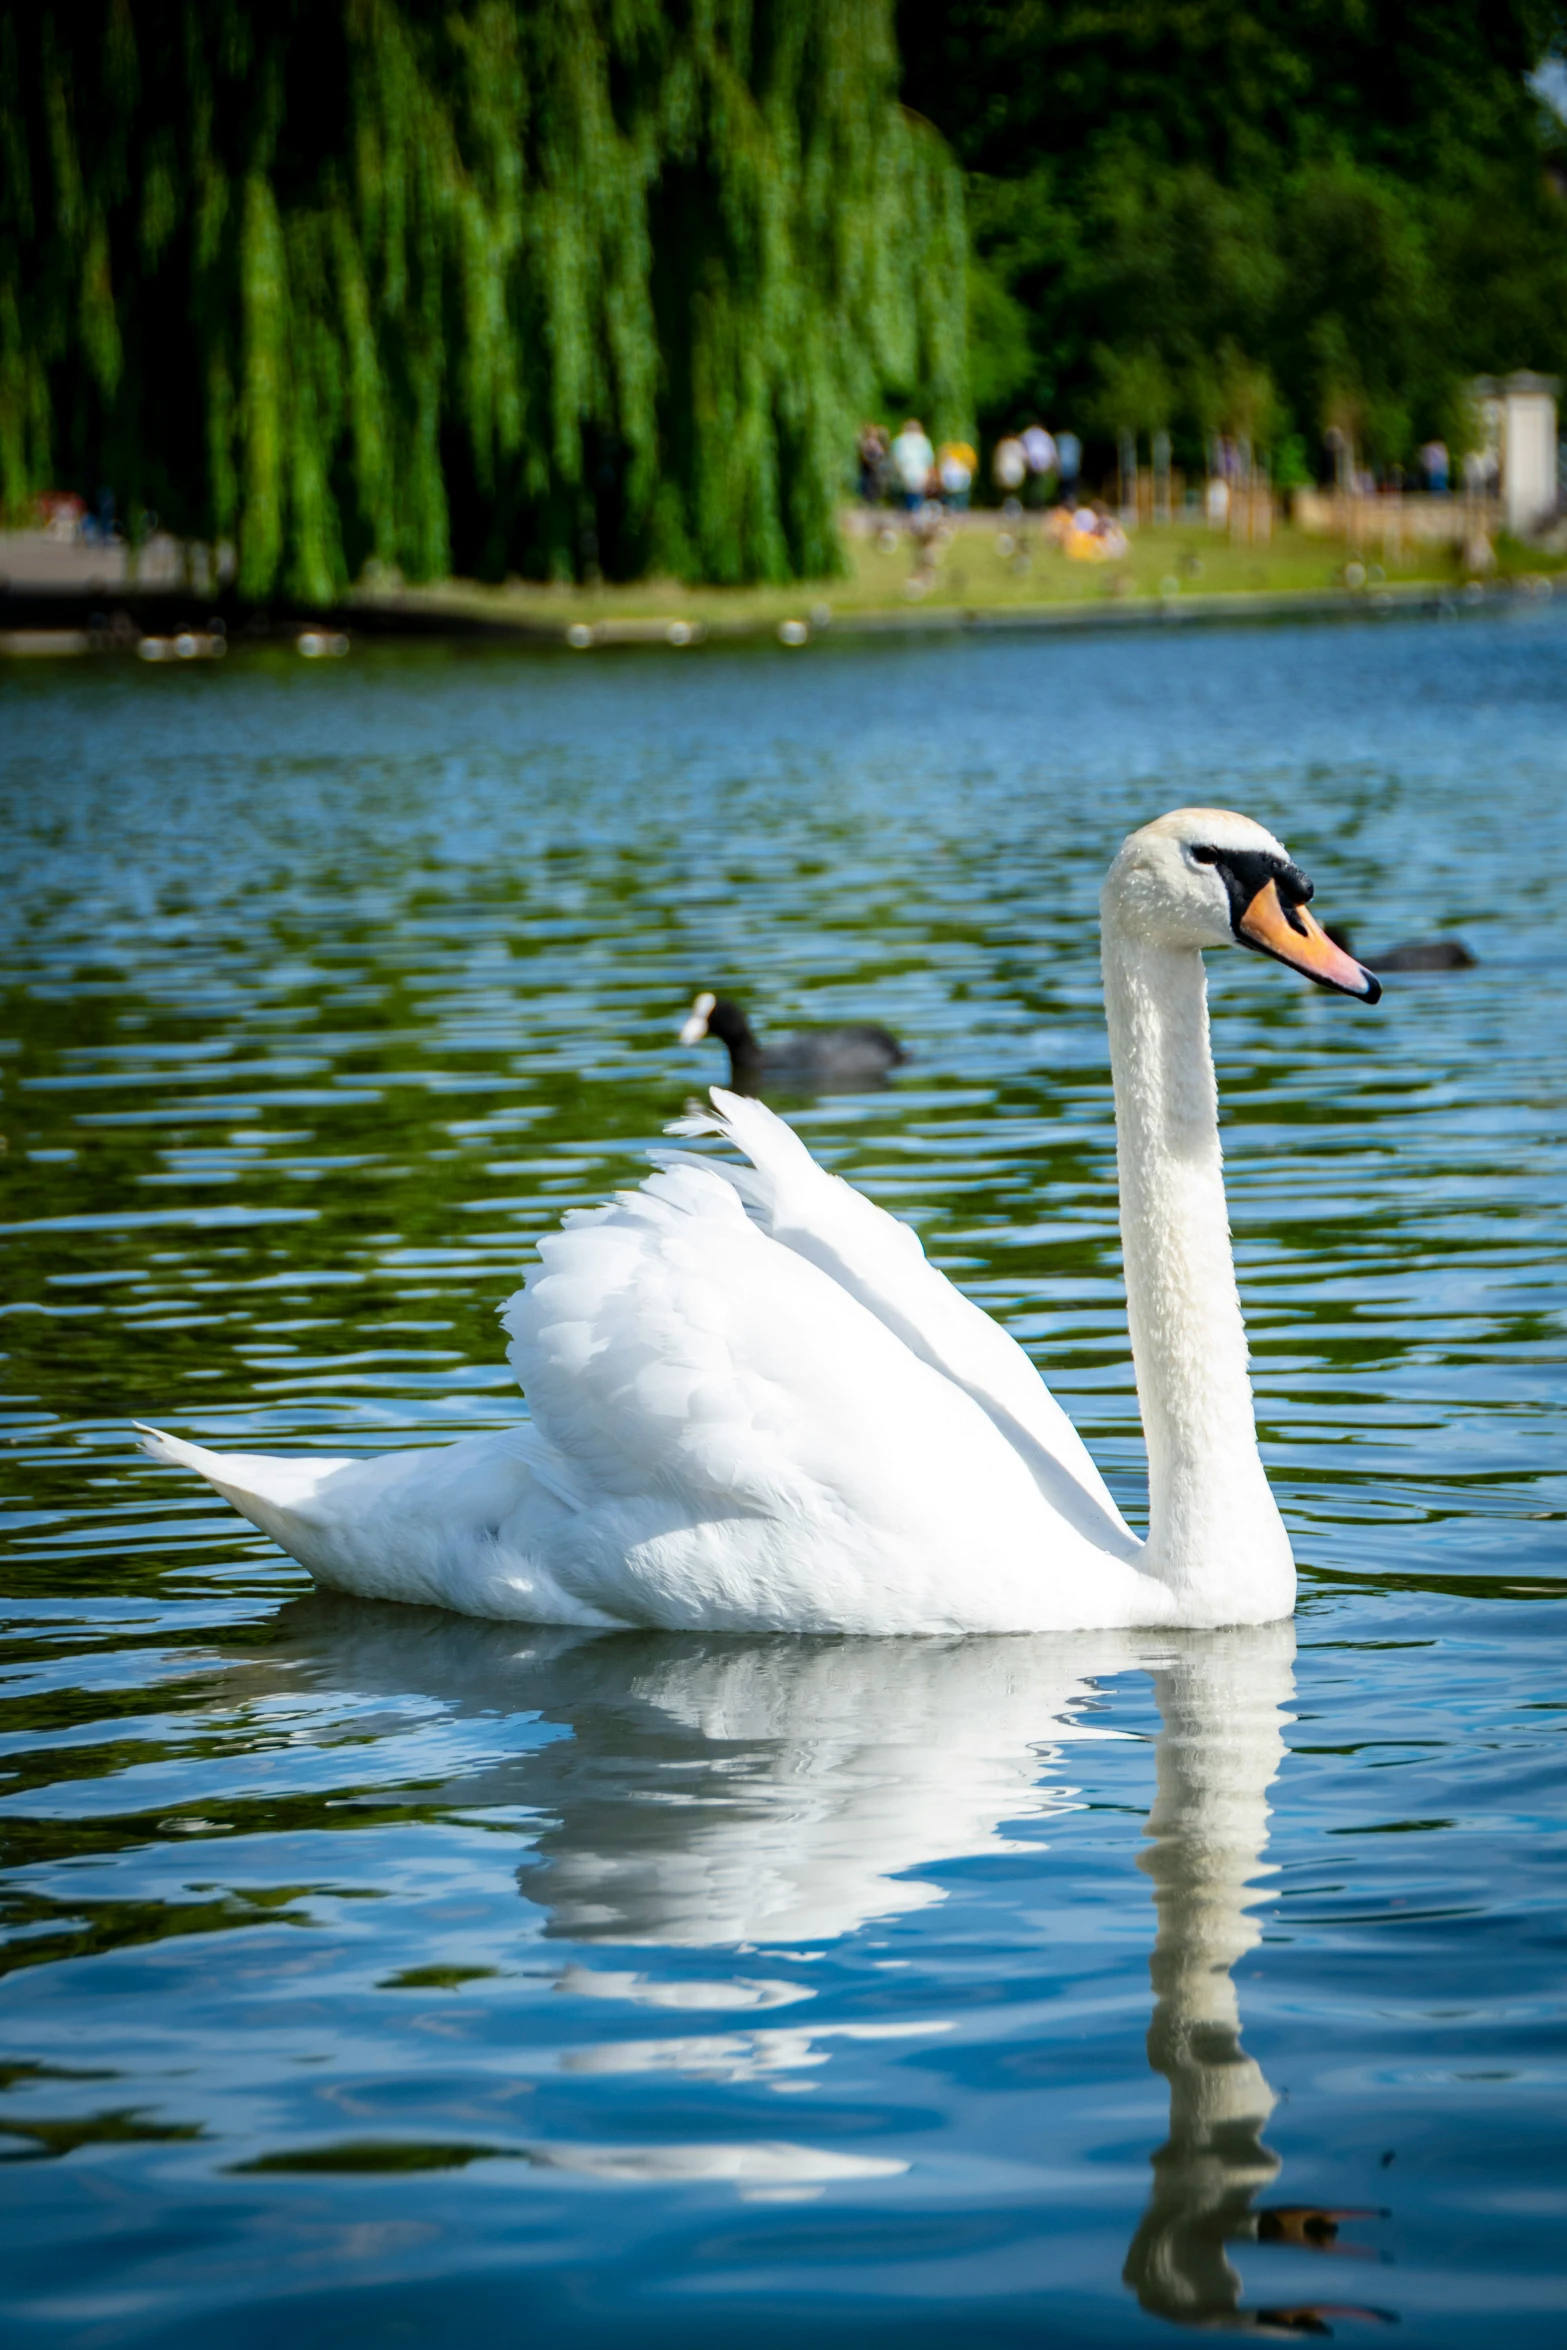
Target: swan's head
pixel 1205 877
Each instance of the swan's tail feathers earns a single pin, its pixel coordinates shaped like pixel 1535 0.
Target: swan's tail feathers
pixel 173 1449
pixel 252 1481
pixel 453 1526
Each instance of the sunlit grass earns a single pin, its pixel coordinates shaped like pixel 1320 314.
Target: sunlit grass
pixel 988 565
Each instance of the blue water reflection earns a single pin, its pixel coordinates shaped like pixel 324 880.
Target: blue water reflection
pixel 398 1978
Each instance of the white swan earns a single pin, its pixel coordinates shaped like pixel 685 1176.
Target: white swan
pixel 757 1407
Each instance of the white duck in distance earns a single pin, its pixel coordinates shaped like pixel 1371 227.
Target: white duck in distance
pixel 756 1407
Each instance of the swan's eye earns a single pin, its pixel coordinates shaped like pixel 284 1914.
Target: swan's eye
pixel 1205 856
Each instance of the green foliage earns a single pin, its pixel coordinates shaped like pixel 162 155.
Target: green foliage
pixel 1253 216
pixel 1001 355
pixel 548 288
pixel 1291 469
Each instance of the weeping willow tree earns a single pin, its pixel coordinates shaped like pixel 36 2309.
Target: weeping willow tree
pixel 506 287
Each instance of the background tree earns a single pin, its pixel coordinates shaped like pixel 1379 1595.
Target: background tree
pixel 1360 199
pixel 536 287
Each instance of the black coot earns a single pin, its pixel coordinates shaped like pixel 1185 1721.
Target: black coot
pixel 1424 954
pixel 813 1059
pixel 1412 954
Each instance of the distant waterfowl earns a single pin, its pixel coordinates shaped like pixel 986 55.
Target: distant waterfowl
pixel 756 1407
pixel 812 1059
pixel 1412 954
pixel 1425 954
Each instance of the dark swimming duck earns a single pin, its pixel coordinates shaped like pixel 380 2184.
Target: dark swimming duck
pixel 1425 954
pixel 812 1059
pixel 1413 954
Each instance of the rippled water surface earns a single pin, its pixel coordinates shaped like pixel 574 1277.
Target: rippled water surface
pixel 382 1977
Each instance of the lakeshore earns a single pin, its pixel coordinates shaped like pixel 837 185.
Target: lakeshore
pixel 984 572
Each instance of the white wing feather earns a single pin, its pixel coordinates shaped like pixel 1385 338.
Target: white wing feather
pixel 746 1444
pixel 880 1262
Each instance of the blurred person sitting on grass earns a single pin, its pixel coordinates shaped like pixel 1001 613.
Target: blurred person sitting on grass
pixel 1088 534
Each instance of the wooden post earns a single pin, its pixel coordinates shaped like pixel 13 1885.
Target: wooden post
pixel 1126 447
pixel 1161 477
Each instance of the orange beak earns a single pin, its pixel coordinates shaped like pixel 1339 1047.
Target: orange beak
pixel 1291 935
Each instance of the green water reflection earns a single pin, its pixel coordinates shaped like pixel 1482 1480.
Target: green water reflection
pixel 396 1973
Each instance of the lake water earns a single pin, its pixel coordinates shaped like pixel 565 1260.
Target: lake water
pixel 380 1977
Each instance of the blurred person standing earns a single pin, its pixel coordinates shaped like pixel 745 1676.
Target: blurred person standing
pixel 1435 465
pixel 1042 458
pixel 1009 468
pixel 1069 462
pixel 955 469
pixel 913 462
pixel 872 448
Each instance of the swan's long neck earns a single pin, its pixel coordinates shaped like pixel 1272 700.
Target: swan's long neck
pixel 1214 1534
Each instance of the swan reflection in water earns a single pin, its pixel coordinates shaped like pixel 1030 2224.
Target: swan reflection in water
pixel 715 1792
pixel 1221 1700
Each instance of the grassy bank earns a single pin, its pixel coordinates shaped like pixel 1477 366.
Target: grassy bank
pixel 983 567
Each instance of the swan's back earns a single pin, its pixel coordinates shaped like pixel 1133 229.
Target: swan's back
pixel 741 1444
pixel 879 1261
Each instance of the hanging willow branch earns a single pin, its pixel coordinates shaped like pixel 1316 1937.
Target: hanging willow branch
pixel 531 288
